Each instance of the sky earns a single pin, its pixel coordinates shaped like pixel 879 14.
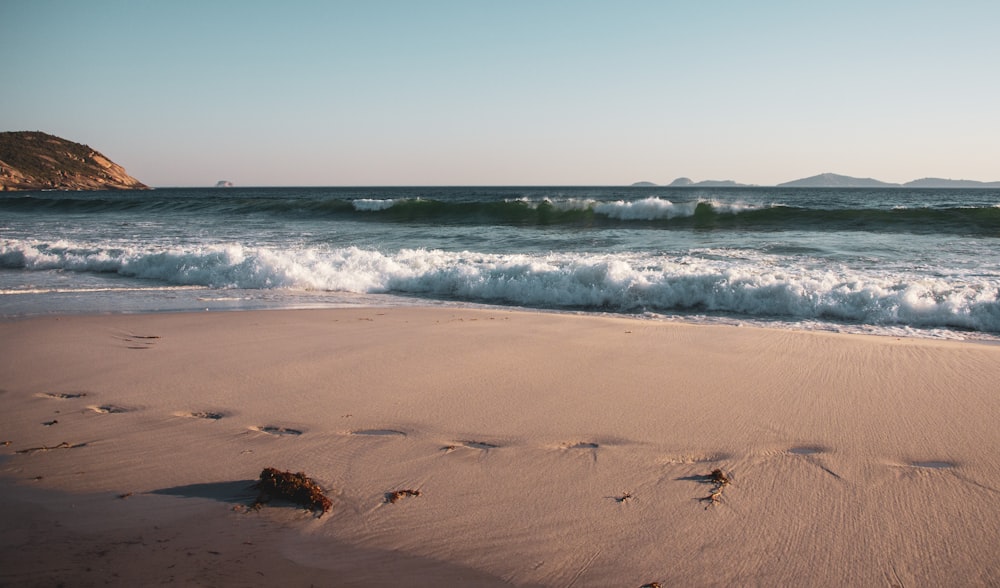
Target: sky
pixel 487 92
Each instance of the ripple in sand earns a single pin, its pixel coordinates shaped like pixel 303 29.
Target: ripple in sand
pixel 934 465
pixel 695 458
pixel 278 431
pixel 110 409
pixel 379 433
pixel 63 445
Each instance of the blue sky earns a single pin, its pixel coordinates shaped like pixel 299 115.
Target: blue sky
pixel 481 92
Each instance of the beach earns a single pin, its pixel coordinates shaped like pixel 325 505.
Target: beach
pixel 542 449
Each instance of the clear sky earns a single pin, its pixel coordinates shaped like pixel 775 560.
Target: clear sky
pixel 488 92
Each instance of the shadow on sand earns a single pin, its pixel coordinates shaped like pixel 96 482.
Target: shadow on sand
pixel 237 491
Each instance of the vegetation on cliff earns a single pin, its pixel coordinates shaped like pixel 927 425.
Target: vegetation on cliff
pixel 32 160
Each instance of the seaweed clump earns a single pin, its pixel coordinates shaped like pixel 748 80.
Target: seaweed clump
pixel 297 488
pixel 720 480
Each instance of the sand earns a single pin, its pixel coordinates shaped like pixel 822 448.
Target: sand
pixel 547 449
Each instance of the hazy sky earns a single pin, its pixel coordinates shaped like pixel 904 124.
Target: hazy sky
pixel 488 92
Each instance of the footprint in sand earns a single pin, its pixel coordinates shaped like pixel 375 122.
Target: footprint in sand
pixel 812 451
pixel 109 409
pixel 278 431
pixel 139 341
pixel 581 448
pixel 580 445
pixel 932 464
pixel 62 395
pixel 379 433
pixel 207 415
pixel 807 450
pixel 480 445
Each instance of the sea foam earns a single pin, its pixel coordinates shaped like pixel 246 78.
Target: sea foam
pixel 754 286
pixel 372 204
pixel 648 209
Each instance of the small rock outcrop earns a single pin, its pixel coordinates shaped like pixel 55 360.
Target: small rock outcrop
pixel 32 160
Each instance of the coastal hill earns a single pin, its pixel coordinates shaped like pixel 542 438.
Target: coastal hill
pixel 836 181
pixel 839 181
pixel 943 183
pixel 829 180
pixel 684 182
pixel 32 160
pixel 688 182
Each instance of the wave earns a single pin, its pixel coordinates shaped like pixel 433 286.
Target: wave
pixel 651 212
pixel 615 283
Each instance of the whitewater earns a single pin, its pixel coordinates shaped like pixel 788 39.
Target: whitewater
pixel 895 261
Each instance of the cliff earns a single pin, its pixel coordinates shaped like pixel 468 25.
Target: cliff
pixel 39 161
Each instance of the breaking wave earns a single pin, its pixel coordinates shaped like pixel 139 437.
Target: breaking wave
pixel 620 283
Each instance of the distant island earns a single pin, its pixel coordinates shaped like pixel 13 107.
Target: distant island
pixel 684 182
pixel 32 160
pixel 943 183
pixel 688 182
pixel 828 180
pixel 836 181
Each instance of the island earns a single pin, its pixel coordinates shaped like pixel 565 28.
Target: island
pixel 947 183
pixel 829 180
pixel 689 183
pixel 33 160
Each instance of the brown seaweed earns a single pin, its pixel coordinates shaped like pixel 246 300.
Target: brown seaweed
pixel 297 488
pixel 720 480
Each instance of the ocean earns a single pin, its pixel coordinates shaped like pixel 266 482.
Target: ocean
pixel 896 261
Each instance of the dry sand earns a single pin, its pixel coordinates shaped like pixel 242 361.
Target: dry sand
pixel 549 450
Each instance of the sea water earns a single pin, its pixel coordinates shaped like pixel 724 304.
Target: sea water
pixel 915 262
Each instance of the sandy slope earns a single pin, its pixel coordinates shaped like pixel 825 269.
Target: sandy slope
pixel 853 460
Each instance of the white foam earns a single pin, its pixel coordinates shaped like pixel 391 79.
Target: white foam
pixel 647 209
pixel 372 205
pixel 657 208
pixel 751 285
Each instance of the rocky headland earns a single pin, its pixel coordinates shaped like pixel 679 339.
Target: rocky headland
pixel 32 160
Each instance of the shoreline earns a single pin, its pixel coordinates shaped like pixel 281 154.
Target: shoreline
pixel 372 301
pixel 549 449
